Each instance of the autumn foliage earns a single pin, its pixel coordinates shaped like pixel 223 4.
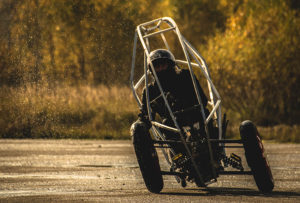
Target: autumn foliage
pixel 251 47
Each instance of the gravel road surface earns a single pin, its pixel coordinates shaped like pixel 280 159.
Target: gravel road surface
pixel 107 171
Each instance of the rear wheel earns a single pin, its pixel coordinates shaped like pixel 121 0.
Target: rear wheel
pixel 147 157
pixel 256 159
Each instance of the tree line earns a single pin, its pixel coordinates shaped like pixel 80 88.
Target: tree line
pixel 251 46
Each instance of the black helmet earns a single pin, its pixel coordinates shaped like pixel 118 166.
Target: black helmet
pixel 159 55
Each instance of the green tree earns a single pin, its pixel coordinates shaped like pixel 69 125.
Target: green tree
pixel 255 62
pixel 199 19
pixel 69 41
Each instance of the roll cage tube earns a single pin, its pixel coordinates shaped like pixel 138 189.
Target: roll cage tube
pixel 152 28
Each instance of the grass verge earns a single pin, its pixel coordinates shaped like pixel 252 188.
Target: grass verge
pixel 87 112
pixel 66 112
pixel 278 133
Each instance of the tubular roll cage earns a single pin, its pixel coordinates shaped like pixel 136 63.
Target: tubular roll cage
pixel 143 33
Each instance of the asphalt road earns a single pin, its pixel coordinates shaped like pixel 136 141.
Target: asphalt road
pixel 107 171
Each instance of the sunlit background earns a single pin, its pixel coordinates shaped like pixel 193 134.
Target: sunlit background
pixel 65 64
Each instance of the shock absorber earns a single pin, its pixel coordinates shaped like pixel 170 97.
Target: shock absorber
pixel 234 161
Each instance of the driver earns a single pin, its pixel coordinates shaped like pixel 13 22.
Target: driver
pixel 178 87
pixel 179 90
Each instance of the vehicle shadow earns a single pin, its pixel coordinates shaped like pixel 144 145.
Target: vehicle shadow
pixel 215 191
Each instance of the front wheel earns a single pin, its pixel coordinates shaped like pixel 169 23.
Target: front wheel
pixel 147 157
pixel 254 152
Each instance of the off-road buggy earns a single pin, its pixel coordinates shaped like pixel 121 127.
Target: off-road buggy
pixel 202 157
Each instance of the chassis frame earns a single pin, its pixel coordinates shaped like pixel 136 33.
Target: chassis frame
pixel 150 29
